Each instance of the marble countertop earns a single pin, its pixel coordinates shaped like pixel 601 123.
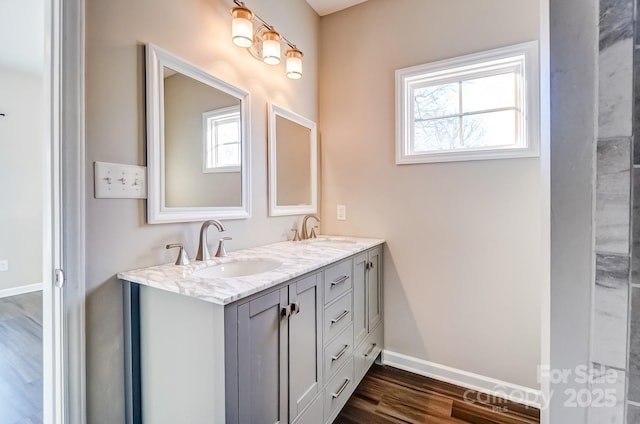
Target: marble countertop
pixel 297 258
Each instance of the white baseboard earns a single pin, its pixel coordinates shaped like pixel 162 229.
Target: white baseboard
pixel 486 386
pixel 14 291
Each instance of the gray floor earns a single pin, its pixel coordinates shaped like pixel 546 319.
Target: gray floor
pixel 21 359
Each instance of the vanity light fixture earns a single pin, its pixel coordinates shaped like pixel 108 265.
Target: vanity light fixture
pixel 294 63
pixel 265 42
pixel 242 26
pixel 271 47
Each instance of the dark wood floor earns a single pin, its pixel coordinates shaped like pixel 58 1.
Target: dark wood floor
pixel 21 359
pixel 388 395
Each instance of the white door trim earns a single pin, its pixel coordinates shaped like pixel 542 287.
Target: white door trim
pixel 63 308
pixel 53 411
pixel 545 209
pixel 73 202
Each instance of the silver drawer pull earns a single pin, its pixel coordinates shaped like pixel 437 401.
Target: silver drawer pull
pixel 339 317
pixel 339 280
pixel 373 346
pixel 339 355
pixel 344 386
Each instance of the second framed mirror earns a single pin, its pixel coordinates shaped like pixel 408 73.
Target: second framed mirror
pixel 293 163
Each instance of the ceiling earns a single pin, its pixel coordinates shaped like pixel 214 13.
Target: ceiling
pixel 22 35
pixel 326 7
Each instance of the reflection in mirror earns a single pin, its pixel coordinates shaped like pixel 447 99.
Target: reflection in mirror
pixel 292 163
pixel 201 144
pixel 198 149
pixel 293 173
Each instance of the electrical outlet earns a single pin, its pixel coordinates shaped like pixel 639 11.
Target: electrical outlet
pixel 115 181
pixel 342 212
pixel 4 265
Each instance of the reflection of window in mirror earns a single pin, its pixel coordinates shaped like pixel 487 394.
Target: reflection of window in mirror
pixel 221 140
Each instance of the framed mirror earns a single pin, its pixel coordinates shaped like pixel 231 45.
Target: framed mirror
pixel 197 143
pixel 293 163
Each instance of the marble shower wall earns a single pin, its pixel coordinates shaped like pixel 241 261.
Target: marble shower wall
pixel 633 390
pixel 616 125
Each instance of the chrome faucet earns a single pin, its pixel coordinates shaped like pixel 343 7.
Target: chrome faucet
pixel 305 234
pixel 203 249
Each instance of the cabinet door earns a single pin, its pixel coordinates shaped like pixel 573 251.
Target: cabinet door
pixel 305 342
pixel 262 359
pixel 374 278
pixel 359 299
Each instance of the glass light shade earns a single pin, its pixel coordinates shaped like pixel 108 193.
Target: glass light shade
pixel 271 47
pixel 242 27
pixel 294 63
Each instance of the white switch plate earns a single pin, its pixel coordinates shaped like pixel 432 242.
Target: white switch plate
pixel 4 265
pixel 342 212
pixel 116 181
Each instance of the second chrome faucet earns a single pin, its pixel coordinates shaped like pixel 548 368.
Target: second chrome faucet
pixel 203 250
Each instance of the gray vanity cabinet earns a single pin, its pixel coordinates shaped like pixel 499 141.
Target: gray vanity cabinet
pixel 293 353
pixel 360 319
pixel 367 309
pixel 279 357
pixel 367 294
pixel 305 341
pixel 262 359
pixel 374 289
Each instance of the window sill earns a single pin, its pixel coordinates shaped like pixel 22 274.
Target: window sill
pixel 221 170
pixel 466 155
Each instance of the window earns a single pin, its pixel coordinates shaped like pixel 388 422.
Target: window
pixel 221 130
pixel 480 106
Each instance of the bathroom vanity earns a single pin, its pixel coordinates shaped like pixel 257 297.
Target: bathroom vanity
pixel 287 342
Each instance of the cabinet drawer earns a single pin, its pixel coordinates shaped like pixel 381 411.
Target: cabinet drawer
pixel 339 389
pixel 338 352
pixel 337 280
pixel 337 317
pixel 368 351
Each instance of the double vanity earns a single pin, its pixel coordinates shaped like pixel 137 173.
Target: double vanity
pixel 281 333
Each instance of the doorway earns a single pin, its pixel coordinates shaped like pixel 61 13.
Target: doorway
pixel 24 190
pixel 34 367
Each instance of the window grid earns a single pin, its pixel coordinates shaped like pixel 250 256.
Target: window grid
pixel 212 122
pixel 461 115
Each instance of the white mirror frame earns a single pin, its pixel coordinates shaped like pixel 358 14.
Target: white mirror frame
pixel 157 212
pixel 274 208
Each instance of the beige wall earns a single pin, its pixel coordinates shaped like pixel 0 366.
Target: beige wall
pixel 118 238
pixel 186 185
pixel 462 287
pixel 21 178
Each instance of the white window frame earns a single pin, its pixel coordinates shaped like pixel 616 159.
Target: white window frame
pixel 223 114
pixel 520 58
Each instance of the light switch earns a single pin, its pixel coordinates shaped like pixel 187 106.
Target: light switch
pixel 116 181
pixel 342 212
pixel 4 265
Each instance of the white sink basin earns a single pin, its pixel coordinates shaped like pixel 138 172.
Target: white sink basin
pixel 237 268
